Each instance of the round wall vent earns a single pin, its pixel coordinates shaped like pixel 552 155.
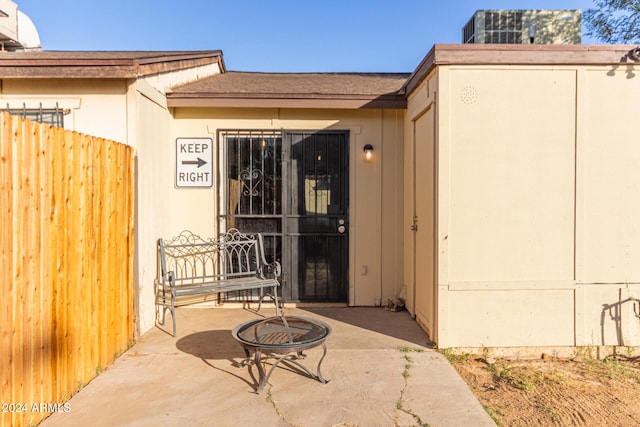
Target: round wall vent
pixel 469 95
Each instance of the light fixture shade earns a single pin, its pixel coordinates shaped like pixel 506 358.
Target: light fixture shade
pixel 368 151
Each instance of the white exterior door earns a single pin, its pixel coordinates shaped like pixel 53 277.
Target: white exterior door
pixel 423 264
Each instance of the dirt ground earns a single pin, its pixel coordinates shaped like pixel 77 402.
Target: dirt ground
pixel 577 391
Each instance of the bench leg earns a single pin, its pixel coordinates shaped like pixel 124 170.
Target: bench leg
pixel 273 296
pixel 275 300
pixel 173 315
pixel 164 314
pixel 261 298
pixel 160 321
pixel 160 301
pixel 171 309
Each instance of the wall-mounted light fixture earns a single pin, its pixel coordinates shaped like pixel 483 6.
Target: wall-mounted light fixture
pixel 368 151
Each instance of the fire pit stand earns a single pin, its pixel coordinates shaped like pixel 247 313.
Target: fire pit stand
pixel 284 338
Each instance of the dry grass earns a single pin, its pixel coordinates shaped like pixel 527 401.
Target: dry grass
pixel 580 391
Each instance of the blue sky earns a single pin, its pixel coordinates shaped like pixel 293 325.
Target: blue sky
pixel 270 35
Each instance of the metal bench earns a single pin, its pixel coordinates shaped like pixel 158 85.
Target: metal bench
pixel 192 266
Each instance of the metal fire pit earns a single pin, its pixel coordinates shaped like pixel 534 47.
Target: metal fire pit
pixel 284 338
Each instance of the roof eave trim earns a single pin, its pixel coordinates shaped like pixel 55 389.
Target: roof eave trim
pixel 113 72
pixel 106 67
pixel 181 57
pixel 492 54
pixel 399 102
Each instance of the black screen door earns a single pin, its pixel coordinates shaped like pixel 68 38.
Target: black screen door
pixel 293 188
pixel 315 226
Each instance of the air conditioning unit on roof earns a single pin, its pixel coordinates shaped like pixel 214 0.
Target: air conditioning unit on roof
pixel 524 27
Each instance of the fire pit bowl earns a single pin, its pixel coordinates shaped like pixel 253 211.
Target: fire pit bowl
pixel 284 338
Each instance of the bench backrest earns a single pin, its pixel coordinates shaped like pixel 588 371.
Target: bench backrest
pixel 192 259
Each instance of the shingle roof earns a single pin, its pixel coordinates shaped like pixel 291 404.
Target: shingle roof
pixel 234 82
pixel 100 64
pixel 234 88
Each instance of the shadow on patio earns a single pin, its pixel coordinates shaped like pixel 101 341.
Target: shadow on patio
pixel 381 368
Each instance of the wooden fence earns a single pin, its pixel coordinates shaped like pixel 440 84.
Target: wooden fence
pixel 66 266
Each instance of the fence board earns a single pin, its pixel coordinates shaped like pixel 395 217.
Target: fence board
pixel 6 260
pixel 57 261
pixel 46 295
pixel 66 218
pixel 16 296
pixel 28 255
pixel 74 233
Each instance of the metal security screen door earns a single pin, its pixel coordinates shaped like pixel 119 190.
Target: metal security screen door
pixel 316 212
pixel 293 188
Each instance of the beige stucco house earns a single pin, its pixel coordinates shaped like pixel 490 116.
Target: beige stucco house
pixel 500 199
pixel 520 172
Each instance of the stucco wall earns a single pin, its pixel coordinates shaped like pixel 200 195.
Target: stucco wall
pixel 95 107
pixel 375 209
pixel 150 129
pixel 538 243
pixel 607 206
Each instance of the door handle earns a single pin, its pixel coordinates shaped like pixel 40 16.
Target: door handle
pixel 413 227
pixel 342 229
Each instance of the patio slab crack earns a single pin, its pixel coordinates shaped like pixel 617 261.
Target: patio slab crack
pixel 275 407
pixel 400 404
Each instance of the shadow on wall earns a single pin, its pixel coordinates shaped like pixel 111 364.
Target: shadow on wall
pixel 614 312
pixel 631 59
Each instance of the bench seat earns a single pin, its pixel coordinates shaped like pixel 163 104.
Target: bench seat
pixel 231 285
pixel 191 265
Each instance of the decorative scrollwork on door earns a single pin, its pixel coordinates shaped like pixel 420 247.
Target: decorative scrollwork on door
pixel 251 181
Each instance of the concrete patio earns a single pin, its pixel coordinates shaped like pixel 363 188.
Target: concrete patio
pixel 381 366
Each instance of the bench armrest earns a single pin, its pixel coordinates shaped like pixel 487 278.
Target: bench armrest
pixel 275 268
pixel 272 270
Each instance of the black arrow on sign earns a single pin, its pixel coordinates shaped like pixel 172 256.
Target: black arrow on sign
pixel 198 162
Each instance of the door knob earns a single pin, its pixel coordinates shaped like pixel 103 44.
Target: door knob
pixel 341 229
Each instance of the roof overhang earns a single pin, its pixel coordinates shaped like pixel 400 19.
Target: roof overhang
pixel 70 64
pixel 280 101
pixel 513 54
